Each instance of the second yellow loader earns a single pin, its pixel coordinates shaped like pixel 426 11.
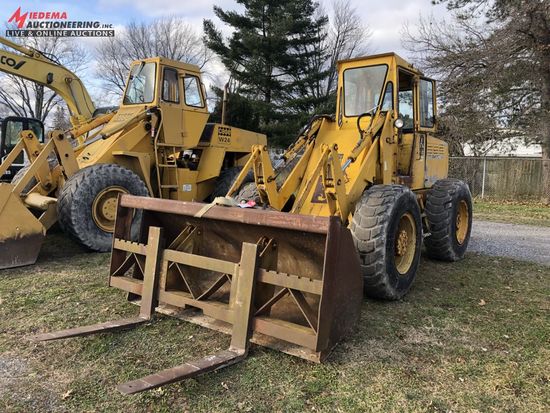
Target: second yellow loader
pixel 158 144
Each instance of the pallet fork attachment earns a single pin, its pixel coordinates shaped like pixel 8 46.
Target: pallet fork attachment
pixel 284 281
pixel 147 305
pixel 238 349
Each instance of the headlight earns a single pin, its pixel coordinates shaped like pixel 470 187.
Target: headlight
pixel 398 123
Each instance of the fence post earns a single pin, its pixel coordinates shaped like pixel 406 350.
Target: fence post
pixel 483 179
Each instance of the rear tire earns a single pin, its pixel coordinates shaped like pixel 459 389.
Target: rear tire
pixel 449 213
pixel 248 192
pixel 387 232
pixel 226 179
pixel 87 205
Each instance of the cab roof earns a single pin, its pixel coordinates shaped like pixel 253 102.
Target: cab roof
pixel 172 63
pixel 390 55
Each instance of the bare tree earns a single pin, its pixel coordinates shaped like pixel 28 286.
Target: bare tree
pixel 493 71
pixel 25 98
pixel 347 37
pixel 444 50
pixel 344 36
pixel 168 37
pixel 60 119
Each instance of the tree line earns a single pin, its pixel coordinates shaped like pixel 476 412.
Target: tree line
pixel 491 58
pixel 493 63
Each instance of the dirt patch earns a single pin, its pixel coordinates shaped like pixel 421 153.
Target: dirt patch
pixel 20 386
pixel 12 369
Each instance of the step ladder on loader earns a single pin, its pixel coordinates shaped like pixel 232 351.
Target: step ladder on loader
pixel 284 281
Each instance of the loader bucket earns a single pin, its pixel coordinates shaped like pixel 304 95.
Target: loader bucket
pixel 308 289
pixel 281 280
pixel 21 234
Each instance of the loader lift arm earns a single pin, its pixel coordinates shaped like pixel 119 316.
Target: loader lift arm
pixel 369 151
pixel 260 163
pixel 35 66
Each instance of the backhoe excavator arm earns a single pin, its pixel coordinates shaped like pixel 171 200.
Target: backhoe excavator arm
pixel 33 65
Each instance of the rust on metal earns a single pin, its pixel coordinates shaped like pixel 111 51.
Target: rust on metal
pixel 309 288
pixel 147 291
pixel 187 370
pixel 245 277
pixel 244 216
pixel 285 281
pixel 91 329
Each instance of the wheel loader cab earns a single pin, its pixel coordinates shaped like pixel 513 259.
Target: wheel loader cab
pixel 11 128
pixel 388 83
pixel 177 90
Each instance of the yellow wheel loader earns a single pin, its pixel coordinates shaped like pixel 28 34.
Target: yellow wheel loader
pixel 378 167
pixel 345 213
pixel 157 144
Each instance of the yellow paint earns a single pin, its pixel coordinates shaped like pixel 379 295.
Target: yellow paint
pixel 135 138
pixel 381 154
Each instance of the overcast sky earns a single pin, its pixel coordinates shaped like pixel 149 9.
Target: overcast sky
pixel 384 17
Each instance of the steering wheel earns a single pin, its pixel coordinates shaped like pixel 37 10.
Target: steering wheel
pixel 370 113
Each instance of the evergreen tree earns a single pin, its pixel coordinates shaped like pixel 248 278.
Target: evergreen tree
pixel 273 55
pixel 240 111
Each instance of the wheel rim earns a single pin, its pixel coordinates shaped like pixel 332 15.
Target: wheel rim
pixel 405 243
pixel 104 207
pixel 462 219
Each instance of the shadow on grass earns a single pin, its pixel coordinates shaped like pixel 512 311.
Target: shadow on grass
pixel 470 335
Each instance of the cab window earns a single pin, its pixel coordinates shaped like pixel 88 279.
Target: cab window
pixel 13 133
pixel 192 91
pixel 362 89
pixel 405 100
pixel 15 127
pixel 427 115
pixel 141 84
pixel 170 90
pixel 387 103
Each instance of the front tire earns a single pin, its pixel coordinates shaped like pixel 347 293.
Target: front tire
pixel 86 208
pixel 449 213
pixel 387 232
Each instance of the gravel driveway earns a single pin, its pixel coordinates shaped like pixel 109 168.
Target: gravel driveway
pixel 523 242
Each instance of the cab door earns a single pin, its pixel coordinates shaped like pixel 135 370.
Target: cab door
pixel 171 104
pixel 409 140
pixel 436 151
pixel 195 112
pixel 425 114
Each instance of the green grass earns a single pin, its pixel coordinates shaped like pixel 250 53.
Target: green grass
pixel 530 213
pixel 436 350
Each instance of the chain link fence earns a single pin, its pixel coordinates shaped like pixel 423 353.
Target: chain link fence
pixel 500 178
